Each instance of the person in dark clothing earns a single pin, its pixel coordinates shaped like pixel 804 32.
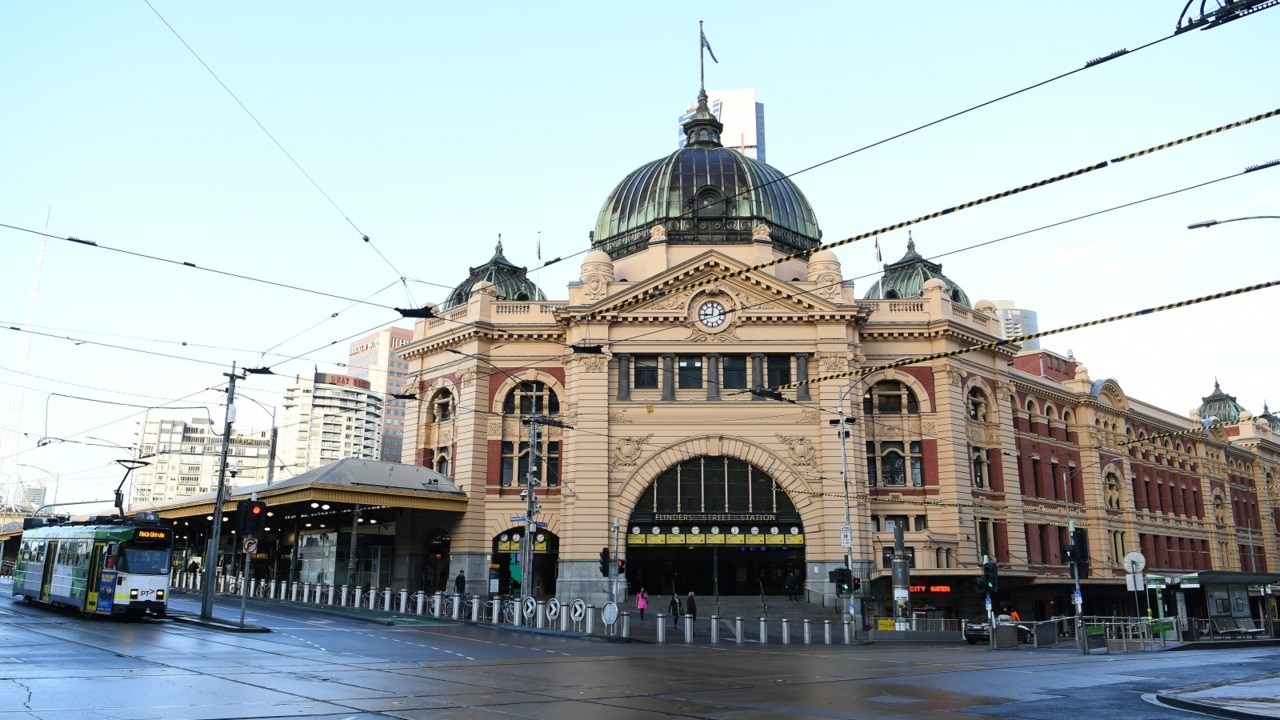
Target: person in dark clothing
pixel 791 586
pixel 691 608
pixel 460 584
pixel 673 607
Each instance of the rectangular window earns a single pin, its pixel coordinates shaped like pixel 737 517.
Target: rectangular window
pixel 690 371
pixel 921 523
pixel 917 463
pixel 735 372
pixel 886 557
pixel 893 521
pixel 777 370
pixel 873 476
pixel 646 372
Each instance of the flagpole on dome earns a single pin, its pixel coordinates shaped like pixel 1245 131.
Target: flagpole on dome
pixel 704 45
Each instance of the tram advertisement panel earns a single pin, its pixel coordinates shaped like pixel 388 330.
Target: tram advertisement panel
pixel 106 591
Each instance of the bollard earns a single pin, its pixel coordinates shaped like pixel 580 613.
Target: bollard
pixel 344 596
pixel 497 609
pixel 786 631
pixel 826 631
pixel 764 631
pixel 332 590
pixel 419 601
pixel 626 624
pixel 715 629
pixel 517 618
pixel 845 624
pixel 688 628
pixel 437 604
pixel 253 587
pixel 808 639
pixel 591 619
pixel 355 597
pixel 662 628
pixel 737 629
pixel 540 615
pixel 404 601
pixel 475 610
pixel 564 617
pixel 293 592
pixel 386 600
pixel 273 590
pixel 456 611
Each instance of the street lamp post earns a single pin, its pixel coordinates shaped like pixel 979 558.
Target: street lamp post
pixel 1210 223
pixel 529 494
pixel 56 481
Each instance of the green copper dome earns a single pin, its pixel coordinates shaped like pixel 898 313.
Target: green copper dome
pixel 705 194
pixel 906 279
pixel 510 282
pixel 1270 417
pixel 1220 405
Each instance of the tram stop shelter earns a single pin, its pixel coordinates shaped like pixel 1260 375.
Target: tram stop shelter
pixel 1223 604
pixel 353 522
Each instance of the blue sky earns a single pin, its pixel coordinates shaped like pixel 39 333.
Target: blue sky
pixel 433 129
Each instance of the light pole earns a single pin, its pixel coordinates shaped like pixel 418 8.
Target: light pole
pixel 1210 223
pixel 529 494
pixel 271 444
pixel 56 480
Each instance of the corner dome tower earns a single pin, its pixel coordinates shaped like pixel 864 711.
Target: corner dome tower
pixel 705 194
pixel 906 279
pixel 1220 405
pixel 510 282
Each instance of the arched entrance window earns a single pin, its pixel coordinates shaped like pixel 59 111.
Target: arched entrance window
pixel 530 397
pixel 714 524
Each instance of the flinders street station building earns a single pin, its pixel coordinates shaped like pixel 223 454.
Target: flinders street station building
pixel 687 394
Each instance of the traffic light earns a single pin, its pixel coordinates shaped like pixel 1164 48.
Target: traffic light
pixel 255 520
pixel 990 580
pixel 844 582
pixel 1080 545
pixel 604 562
pixel 622 567
pixel 242 516
pixel 857 585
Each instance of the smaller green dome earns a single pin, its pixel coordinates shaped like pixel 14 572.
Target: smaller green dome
pixel 906 279
pixel 510 282
pixel 1220 405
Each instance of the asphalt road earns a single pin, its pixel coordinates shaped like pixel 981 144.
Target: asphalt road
pixel 311 665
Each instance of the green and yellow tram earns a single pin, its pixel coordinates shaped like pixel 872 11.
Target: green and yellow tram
pixel 102 566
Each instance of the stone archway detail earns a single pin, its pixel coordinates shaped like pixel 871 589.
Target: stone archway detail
pixel 801 492
pixel 923 398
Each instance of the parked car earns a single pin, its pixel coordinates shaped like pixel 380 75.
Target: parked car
pixel 976 631
pixel 979 630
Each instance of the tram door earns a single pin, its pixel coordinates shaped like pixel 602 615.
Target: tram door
pixel 95 573
pixel 46 578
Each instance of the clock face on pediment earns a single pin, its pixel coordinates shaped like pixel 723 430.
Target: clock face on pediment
pixel 711 314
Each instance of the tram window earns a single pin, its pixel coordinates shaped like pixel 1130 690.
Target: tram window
pixel 146 562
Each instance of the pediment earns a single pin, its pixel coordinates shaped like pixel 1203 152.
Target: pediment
pixel 713 276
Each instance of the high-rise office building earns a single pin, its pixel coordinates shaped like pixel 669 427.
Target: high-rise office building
pixel 329 417
pixel 185 456
pixel 743 120
pixel 1017 321
pixel 373 358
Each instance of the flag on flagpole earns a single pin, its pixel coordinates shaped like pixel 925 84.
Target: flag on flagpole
pixel 878 258
pixel 707 45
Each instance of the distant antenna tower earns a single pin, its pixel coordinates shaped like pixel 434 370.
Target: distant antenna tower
pixel 13 415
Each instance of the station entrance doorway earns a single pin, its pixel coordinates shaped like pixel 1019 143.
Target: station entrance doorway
pixel 713 525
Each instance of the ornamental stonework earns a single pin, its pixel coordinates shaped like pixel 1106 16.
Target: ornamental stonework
pixel 628 450
pixel 831 363
pixel 800 450
pixel 495 427
pixel 466 376
pixel 593 363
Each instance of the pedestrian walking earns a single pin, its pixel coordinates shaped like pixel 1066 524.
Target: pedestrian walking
pixel 673 607
pixel 460 584
pixel 642 601
pixel 791 586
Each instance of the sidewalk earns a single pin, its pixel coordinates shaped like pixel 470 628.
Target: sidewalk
pixel 1257 698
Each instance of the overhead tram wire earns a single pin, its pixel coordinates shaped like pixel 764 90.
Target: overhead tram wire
pixel 1018 339
pixel 897 136
pixel 327 319
pixel 1022 233
pixel 281 147
pixel 654 294
pixel 193 266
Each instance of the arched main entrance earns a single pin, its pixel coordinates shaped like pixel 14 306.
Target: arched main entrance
pixel 714 525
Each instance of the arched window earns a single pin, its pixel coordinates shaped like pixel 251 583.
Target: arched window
pixel 981 468
pixel 530 397
pixel 977 405
pixel 889 397
pixel 715 484
pixel 442 461
pixel 441 406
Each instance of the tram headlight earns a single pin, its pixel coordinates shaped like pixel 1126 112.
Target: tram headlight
pixel 160 594
pixel 133 594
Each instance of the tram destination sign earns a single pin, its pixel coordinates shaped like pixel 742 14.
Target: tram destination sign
pixel 715 517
